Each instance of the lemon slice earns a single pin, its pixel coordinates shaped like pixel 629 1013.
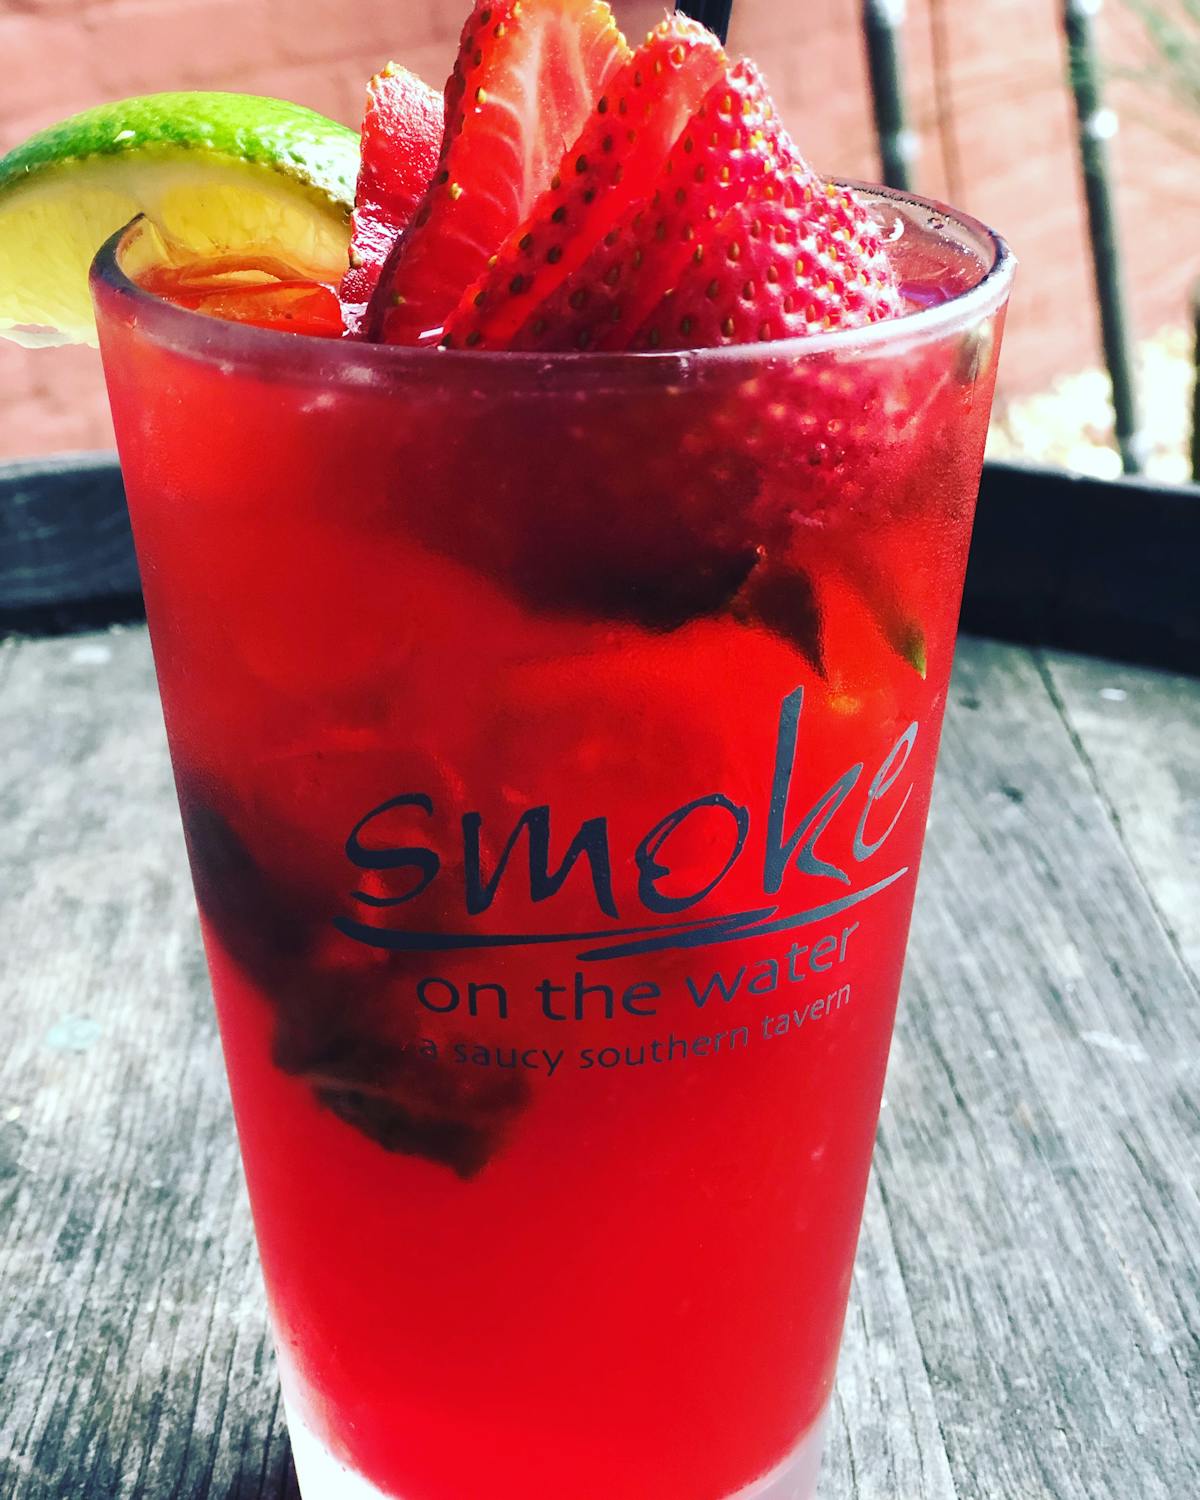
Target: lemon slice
pixel 217 173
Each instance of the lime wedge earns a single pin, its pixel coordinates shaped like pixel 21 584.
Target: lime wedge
pixel 218 174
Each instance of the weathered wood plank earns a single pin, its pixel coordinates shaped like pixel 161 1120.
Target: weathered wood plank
pixel 1025 1310
pixel 1139 733
pixel 133 1351
pixel 1043 1192
pixel 884 1439
pixel 136 1358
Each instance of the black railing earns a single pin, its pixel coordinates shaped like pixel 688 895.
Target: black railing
pixel 882 21
pixel 1196 385
pixel 1096 124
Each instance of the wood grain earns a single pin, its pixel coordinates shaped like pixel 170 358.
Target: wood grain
pixel 1139 734
pixel 1026 1303
pixel 135 1358
pixel 1037 1155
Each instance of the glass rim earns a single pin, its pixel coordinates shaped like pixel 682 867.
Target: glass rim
pixel 207 337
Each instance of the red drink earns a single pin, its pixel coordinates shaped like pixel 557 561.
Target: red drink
pixel 554 738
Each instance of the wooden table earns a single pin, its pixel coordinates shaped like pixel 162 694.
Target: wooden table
pixel 1026 1308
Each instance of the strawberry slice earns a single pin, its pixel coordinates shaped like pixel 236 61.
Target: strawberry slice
pixel 224 289
pixel 609 173
pixel 401 139
pixel 726 236
pixel 725 150
pixel 797 255
pixel 527 75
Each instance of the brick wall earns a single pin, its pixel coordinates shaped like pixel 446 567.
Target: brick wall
pixel 996 137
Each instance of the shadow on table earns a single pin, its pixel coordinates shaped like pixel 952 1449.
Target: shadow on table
pixel 1060 560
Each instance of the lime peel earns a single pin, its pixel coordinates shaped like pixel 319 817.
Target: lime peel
pixel 217 173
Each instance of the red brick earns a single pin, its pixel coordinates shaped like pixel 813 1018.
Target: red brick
pixel 1011 123
pixel 332 29
pixel 46 58
pixel 143 45
pixel 54 402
